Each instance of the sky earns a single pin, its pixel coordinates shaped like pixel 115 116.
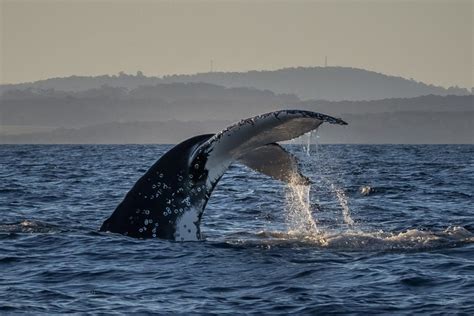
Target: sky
pixel 427 40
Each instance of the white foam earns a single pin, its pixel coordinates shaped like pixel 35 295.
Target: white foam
pixel 408 240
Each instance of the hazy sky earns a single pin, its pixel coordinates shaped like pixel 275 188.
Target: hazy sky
pixel 431 41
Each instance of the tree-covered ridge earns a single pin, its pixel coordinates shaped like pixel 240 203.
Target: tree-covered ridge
pixel 325 83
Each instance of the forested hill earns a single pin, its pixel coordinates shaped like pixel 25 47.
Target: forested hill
pixel 321 83
pixel 168 113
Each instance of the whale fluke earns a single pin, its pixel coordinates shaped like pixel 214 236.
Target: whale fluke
pixel 274 161
pixel 169 199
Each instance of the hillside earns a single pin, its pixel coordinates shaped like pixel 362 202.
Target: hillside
pixel 320 83
pixel 185 102
pixel 168 113
pixel 376 128
pixel 324 83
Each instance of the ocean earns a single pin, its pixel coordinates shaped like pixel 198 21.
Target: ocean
pixel 382 229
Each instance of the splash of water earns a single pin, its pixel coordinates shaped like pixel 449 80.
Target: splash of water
pixel 298 203
pixel 337 191
pixel 299 218
pixel 343 202
pixel 308 143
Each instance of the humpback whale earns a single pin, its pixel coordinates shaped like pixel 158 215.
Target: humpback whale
pixel 168 201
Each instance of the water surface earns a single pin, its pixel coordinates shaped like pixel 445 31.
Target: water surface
pixel 406 245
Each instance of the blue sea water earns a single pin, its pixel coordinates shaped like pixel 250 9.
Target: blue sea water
pixel 404 246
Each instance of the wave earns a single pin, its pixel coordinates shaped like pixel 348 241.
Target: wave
pixel 336 240
pixel 353 240
pixel 29 226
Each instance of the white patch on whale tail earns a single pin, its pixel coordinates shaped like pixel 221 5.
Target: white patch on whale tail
pixel 186 226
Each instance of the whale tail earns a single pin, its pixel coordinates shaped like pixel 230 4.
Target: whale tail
pixel 169 199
